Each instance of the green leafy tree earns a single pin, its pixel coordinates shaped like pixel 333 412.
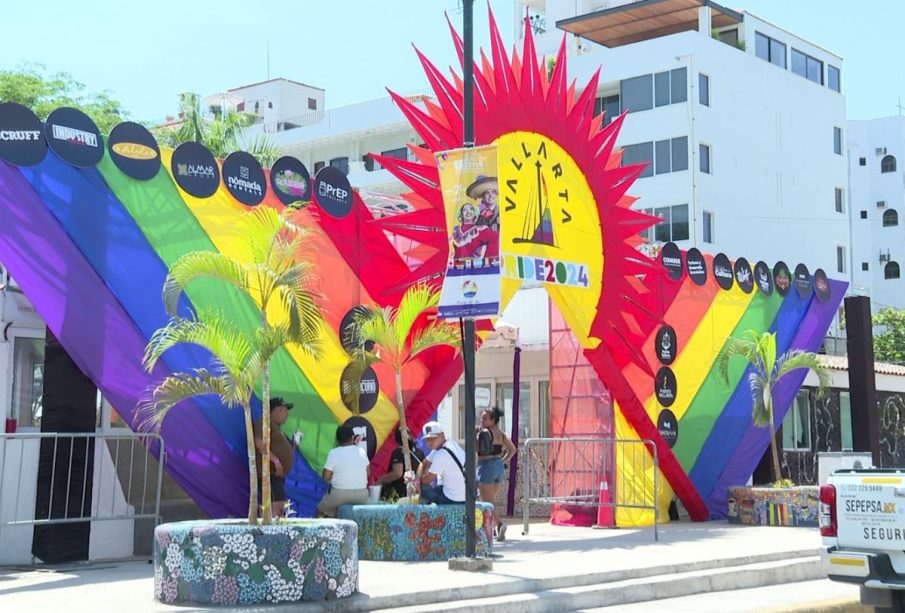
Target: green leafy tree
pixel 889 344
pixel 220 130
pixel 273 277
pixel 759 350
pixel 399 336
pixel 31 86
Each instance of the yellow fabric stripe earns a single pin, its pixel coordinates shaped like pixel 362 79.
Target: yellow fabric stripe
pixel 635 480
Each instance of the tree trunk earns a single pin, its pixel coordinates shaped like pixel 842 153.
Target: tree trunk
pixel 777 469
pixel 403 428
pixel 265 432
pixel 252 468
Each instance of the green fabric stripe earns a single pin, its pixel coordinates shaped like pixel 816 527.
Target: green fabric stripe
pixel 697 422
pixel 172 230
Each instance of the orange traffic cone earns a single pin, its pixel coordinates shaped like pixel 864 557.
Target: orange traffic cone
pixel 605 516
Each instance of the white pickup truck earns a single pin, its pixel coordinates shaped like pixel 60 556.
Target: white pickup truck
pixel 862 522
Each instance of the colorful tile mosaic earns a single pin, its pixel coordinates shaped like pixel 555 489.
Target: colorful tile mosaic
pixel 766 506
pixel 231 563
pixel 418 532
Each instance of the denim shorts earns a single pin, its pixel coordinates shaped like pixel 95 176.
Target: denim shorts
pixel 490 470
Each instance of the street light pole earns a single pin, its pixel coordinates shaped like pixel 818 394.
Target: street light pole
pixel 468 340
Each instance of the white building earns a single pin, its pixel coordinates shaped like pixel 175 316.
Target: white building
pixel 876 152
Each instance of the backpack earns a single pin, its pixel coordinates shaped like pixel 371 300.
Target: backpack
pixel 485 442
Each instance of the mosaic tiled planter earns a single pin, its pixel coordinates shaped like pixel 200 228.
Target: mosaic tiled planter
pixel 768 506
pixel 418 532
pixel 229 562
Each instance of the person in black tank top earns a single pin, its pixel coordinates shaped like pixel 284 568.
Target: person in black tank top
pixel 494 448
pixel 393 482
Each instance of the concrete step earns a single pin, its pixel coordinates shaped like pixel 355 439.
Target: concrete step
pixel 560 593
pixel 639 590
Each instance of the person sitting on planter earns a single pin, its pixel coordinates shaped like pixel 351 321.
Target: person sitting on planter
pixel 393 482
pixel 445 462
pixel 282 453
pixel 346 470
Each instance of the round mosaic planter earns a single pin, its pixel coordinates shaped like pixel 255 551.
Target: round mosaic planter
pixel 229 562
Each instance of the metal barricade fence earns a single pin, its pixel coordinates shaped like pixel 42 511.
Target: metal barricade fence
pixel 65 477
pixel 571 471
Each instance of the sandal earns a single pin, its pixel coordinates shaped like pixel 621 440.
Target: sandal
pixel 501 533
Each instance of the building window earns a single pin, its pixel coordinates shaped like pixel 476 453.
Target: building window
pixel 770 49
pixel 708 227
pixel 402 153
pixel 680 153
pixel 370 163
pixel 341 163
pixel 670 87
pixel 833 80
pixel 318 166
pixel 837 140
pixel 543 409
pixel 839 204
pixel 890 218
pixel 638 154
pixel 796 427
pixel 704 153
pixel 863 214
pixel 806 66
pixel 891 270
pixel 730 37
pixel 637 94
pixel 704 89
pixel 673 225
pixel 504 401
pixel 865 266
pixel 28 380
pixel 888 164
pixel 845 420
pixel 609 106
pixel 862 161
pixel 312 104
pixel 663 156
pixel 840 258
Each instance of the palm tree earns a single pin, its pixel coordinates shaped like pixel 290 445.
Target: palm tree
pixel 760 352
pixel 221 131
pixel 272 276
pixel 399 335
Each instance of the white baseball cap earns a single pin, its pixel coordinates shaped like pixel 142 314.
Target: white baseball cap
pixel 432 429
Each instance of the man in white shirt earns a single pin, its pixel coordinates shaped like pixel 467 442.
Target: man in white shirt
pixel 346 470
pixel 446 461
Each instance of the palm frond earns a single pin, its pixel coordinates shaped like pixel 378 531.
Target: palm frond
pixel 224 340
pixel 738 347
pixel 262 147
pixel 760 397
pixel 795 359
pixel 435 333
pixel 416 300
pixel 178 387
pixel 350 384
pixel 378 326
pixel 198 265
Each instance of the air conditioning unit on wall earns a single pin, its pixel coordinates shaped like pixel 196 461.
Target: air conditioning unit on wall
pixel 884 257
pixel 881 204
pixel 881 150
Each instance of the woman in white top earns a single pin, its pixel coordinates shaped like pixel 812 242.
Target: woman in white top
pixel 346 470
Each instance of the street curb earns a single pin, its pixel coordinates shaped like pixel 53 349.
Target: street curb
pixel 521 587
pixel 843 605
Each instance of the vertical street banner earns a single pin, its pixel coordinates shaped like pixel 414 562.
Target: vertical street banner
pixel 468 180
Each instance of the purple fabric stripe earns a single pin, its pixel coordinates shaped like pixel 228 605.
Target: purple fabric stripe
pixel 107 346
pixel 756 440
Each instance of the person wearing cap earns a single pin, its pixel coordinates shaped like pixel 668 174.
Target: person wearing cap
pixel 346 470
pixel 445 462
pixel 282 453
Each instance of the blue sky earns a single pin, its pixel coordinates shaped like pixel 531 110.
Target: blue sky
pixel 148 52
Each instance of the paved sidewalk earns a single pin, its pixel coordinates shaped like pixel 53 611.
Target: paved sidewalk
pixel 547 552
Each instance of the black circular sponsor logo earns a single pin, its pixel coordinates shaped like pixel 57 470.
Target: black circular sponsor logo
pixel 74 137
pixel 763 278
pixel 333 192
pixel 665 386
pixel 666 345
pixel 821 285
pixel 803 281
pixel 782 278
pixel 671 258
pixel 722 271
pixel 244 178
pixel 668 426
pixel 696 266
pixel 743 275
pixel 290 180
pixel 134 151
pixel 21 135
pixel 364 433
pixel 368 390
pixel 195 169
pixel 347 335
